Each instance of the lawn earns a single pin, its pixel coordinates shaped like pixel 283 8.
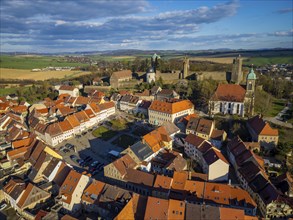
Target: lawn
pixel 124 141
pixel 119 124
pixel 32 62
pixel 104 133
pixel 276 106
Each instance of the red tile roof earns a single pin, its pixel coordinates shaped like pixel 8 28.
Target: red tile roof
pixel 65 126
pixel 194 140
pixel 171 107
pixel 156 208
pixel 69 185
pixel 68 88
pixel 155 139
pixel 261 127
pixel 73 120
pixel 213 155
pixel 123 163
pixel 229 92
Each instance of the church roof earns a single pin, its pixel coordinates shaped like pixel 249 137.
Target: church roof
pixel 229 92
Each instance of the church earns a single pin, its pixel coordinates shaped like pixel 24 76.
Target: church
pixel 234 99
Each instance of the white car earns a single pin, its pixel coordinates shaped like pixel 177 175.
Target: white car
pixel 3 206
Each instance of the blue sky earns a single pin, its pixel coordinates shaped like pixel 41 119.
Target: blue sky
pixel 88 25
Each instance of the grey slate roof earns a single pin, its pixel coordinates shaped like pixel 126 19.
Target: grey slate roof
pixel 142 151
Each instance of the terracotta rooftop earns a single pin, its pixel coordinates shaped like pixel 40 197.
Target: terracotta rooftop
pixel 229 92
pixel 22 143
pixel 73 120
pixel 68 88
pixel 135 208
pixel 231 214
pixel 171 107
pixel 156 208
pixel 17 153
pixel 261 127
pixel 123 163
pixel 92 192
pixel 176 209
pixel 179 180
pixel 54 130
pixel 69 185
pixel 156 138
pixel 65 126
pixel 95 107
pixel 139 177
pixel 163 183
pixel 107 105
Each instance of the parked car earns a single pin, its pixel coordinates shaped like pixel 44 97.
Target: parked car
pixel 95 163
pixel 3 205
pixel 95 172
pixel 73 158
pixel 69 146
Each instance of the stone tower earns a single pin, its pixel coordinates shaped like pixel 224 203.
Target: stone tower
pixel 237 74
pixel 250 90
pixel 185 67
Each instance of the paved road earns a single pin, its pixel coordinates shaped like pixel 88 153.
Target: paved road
pixel 278 122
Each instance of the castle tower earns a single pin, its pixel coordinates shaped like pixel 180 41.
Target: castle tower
pixel 185 67
pixel 237 74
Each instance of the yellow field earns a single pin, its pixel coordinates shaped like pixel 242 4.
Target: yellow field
pixel 223 60
pixel 42 75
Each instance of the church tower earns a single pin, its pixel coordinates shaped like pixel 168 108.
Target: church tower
pixel 237 74
pixel 250 90
pixel 250 81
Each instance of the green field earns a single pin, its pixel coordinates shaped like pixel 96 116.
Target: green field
pixel 34 62
pixel 12 90
pixel 276 106
pixel 260 61
pixel 104 133
pixel 124 141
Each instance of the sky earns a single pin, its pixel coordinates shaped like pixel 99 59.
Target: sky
pixel 51 26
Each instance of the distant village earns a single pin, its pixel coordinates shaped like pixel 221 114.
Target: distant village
pixel 149 154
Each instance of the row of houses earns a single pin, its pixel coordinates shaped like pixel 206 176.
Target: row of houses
pixel 74 124
pixel 251 174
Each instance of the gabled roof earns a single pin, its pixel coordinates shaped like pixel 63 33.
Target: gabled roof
pixel 89 113
pixel 162 183
pixel 92 192
pixel 139 177
pixel 65 126
pixel 73 120
pixel 29 195
pixel 261 127
pixel 142 151
pixel 176 209
pixel 14 188
pixel 170 127
pixel 54 130
pixel 81 116
pixel 194 140
pixel 200 125
pixel 213 155
pixel 249 170
pixel 68 88
pixel 122 74
pixel 156 138
pixel 229 92
pixel 81 100
pixel 156 208
pixel 22 143
pixel 268 194
pixel 171 107
pixel 258 183
pixel 123 163
pixel 135 208
pixel 69 185
pixel 95 107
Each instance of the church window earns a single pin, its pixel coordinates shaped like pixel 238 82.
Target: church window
pixel 238 108
pixel 250 86
pixel 221 106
